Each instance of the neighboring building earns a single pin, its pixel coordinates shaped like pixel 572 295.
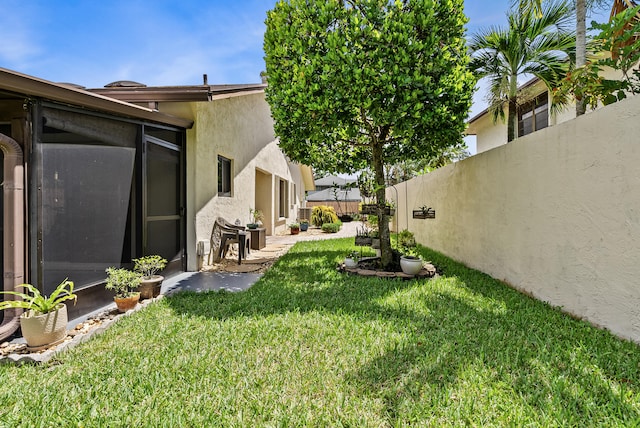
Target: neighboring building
pixel 233 159
pixel 533 115
pixel 331 181
pixel 341 193
pixel 534 112
pixel 91 181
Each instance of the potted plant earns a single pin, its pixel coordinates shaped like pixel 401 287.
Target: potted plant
pixel 45 320
pixel 149 266
pixel 351 261
pixel 295 228
pixel 410 260
pixel 256 217
pixel 411 263
pixel 124 282
pixel 389 208
pixel 304 225
pixel 363 236
pixel 424 212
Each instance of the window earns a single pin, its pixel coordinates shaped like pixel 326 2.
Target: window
pixel 293 195
pixel 283 204
pixel 224 176
pixel 534 115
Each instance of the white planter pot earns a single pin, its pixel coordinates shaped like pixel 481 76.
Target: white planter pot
pixel 410 265
pixel 350 263
pixel 44 329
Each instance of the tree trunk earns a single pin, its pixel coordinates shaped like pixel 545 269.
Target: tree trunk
pixel 512 114
pixel 581 45
pixel 512 120
pixel 383 224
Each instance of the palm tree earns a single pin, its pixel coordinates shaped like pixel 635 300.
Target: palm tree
pixel 531 44
pixel 581 7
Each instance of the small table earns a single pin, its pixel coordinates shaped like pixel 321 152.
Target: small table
pixel 258 238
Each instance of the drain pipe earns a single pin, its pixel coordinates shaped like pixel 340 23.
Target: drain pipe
pixel 13 239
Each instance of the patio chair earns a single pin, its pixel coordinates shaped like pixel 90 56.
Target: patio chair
pixel 225 234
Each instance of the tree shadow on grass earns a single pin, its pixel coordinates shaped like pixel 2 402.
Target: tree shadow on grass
pixel 464 322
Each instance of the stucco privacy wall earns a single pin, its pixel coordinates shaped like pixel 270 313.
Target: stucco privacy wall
pixel 241 129
pixel 555 213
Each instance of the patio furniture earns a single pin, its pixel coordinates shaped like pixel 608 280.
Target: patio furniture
pixel 258 238
pixel 225 234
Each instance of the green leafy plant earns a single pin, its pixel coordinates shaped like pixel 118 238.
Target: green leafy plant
pixel 149 265
pixel 332 227
pixel 410 252
pixel 123 281
pixel 354 255
pixel 406 239
pixel 38 303
pixel 304 221
pixel 256 215
pixel 294 226
pixel 620 37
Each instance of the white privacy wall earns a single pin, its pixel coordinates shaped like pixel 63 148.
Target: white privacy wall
pixel 555 213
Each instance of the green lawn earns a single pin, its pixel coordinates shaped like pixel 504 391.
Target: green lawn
pixel 308 346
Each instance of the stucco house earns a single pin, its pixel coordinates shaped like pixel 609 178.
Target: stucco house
pixel 233 159
pixel 90 181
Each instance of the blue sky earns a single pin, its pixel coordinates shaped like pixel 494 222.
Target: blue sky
pixel 156 42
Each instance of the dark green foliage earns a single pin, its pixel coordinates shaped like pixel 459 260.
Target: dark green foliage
pixel 331 227
pixel 406 239
pixel 619 37
pixel 355 83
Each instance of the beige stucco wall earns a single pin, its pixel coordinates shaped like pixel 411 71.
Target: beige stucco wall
pixel 555 213
pixel 240 129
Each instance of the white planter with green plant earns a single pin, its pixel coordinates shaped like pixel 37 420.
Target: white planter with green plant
pixel 410 261
pixel 351 261
pixel 151 283
pixel 125 283
pixel 45 319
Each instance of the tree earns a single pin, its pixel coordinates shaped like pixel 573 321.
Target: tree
pixel 530 44
pixel 353 83
pixel 619 38
pixel 581 7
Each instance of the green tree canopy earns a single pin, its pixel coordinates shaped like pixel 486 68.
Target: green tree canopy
pixel 353 83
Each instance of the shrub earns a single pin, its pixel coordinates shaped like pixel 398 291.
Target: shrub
pixel 331 227
pixel 149 265
pixel 123 281
pixel 406 239
pixel 323 214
